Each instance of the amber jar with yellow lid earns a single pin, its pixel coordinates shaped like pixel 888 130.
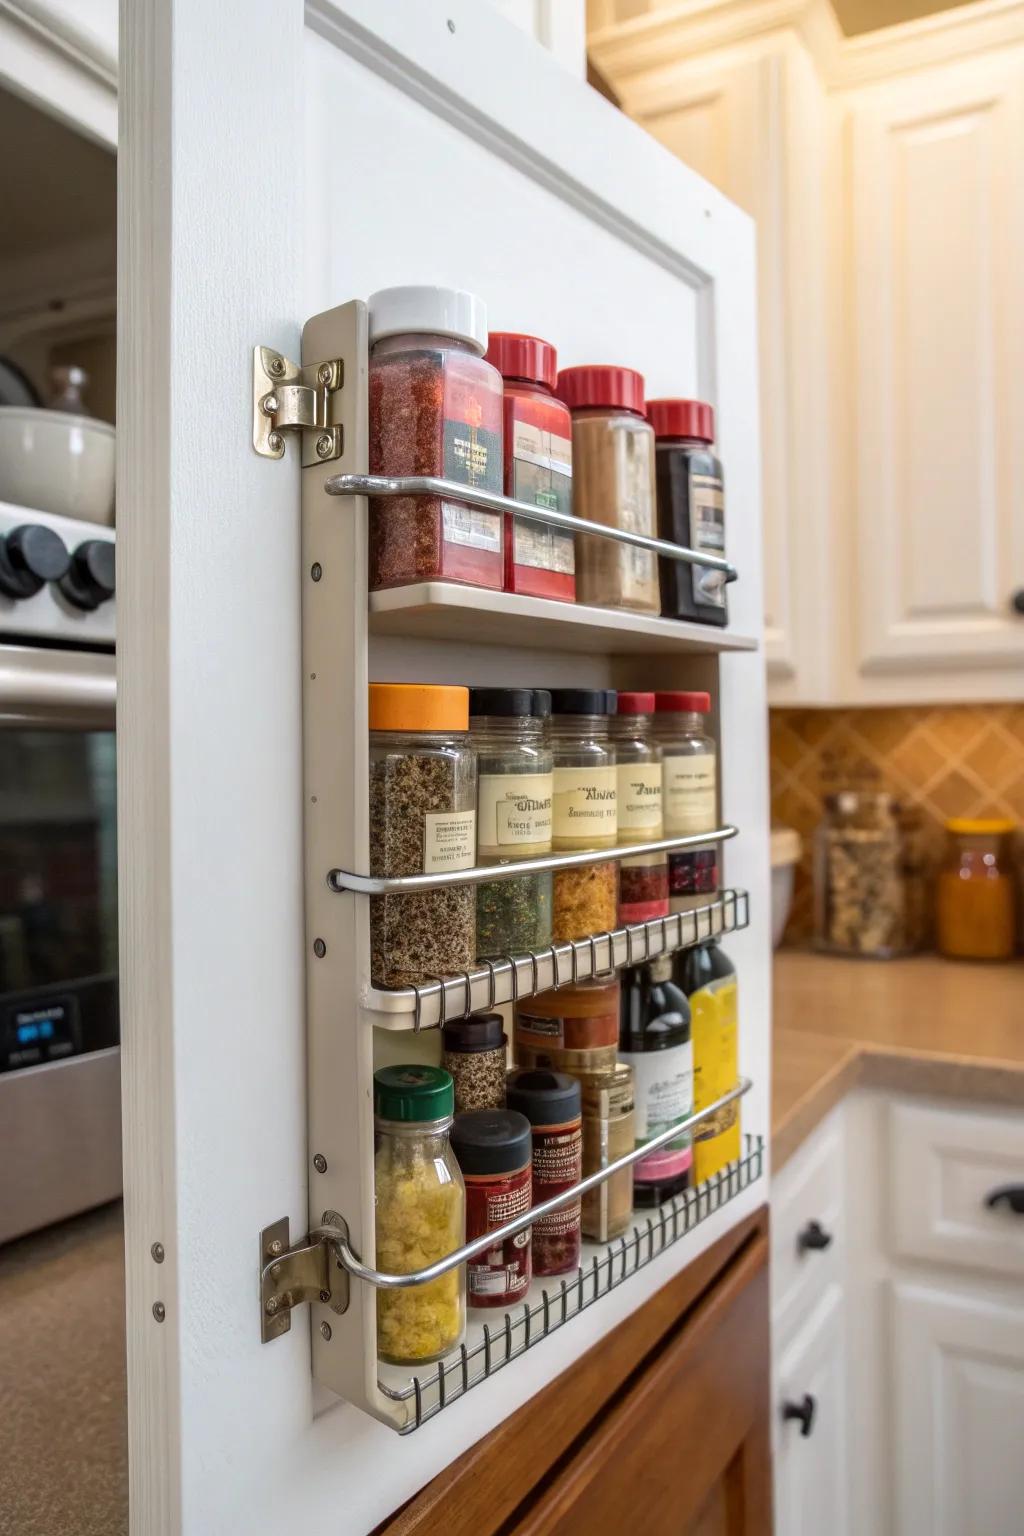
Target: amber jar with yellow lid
pixel 975 917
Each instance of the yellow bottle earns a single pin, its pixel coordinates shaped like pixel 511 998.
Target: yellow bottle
pixel 708 977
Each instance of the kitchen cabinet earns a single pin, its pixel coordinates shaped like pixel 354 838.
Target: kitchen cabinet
pixel 810 1432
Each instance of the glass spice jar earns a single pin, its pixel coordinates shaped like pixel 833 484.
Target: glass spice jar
pixel 422 820
pixel 572 1029
pixel 551 1103
pixel 608 1134
pixel 689 794
pixel 858 885
pixel 976 916
pixel 691 507
pixel 643 881
pixel 514 794
pixel 495 1152
pixel 420 1213
pixel 585 900
pixel 435 409
pixel 540 560
pixel 655 1042
pixel 475 1051
pixel 613 483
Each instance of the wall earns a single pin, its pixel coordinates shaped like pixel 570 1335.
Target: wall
pixel 961 761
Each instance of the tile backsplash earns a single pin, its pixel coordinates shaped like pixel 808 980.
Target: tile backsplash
pixel 966 760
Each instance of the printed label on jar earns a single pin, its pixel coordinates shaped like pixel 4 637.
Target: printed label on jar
pixel 449 841
pixel 571 1034
pixel 471 528
pixel 639 799
pixel 585 803
pixel 501 1273
pixel 707 531
pixel 693 872
pixel 515 809
pixel 557 1163
pixel 689 789
pixel 664 1090
pixel 543 549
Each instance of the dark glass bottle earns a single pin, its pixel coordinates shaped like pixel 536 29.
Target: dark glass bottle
pixel 691 507
pixel 654 1040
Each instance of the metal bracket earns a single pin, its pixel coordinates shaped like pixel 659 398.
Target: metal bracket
pixel 290 1276
pixel 287 398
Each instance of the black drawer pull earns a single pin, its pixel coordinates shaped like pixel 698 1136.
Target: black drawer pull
pixel 813 1238
pixel 1010 1195
pixel 804 1412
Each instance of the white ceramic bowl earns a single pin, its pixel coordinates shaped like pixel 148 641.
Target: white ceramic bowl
pixel 57 463
pixel 786 849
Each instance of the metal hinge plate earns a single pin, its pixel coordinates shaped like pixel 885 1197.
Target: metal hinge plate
pixel 287 398
pixel 291 1276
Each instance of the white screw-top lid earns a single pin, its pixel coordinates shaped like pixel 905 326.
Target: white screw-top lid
pixel 442 311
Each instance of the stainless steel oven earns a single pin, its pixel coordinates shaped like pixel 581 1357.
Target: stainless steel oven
pixel 60 1118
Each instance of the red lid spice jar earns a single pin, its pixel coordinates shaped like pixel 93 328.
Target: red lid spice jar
pixel 551 1102
pixel 643 880
pixel 539 560
pixel 691 507
pixel 493 1148
pixel 435 409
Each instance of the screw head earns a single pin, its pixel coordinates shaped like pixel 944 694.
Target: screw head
pixel 319 948
pixel 269 405
pixel 275 442
pixel 272 1305
pixel 276 366
pixel 325 373
pixel 325 445
pixel 274 1248
pixel 325 1295
pixel 316 570
pixel 325 1328
pixel 159 1311
pixel 320 1163
pixel 157 1250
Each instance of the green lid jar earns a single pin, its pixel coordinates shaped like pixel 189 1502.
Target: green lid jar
pixel 413 1094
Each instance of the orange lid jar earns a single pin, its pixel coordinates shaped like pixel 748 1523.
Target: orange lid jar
pixel 975 914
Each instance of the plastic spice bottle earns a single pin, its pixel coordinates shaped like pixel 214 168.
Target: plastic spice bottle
pixel 572 1029
pixel 494 1150
pixel 539 560
pixel 422 821
pixel 643 881
pixel 655 1042
pixel 708 977
pixel 420 1213
pixel 976 897
pixel 474 1051
pixel 585 815
pixel 613 483
pixel 435 409
pixel 691 507
pixel 689 794
pixel 608 1134
pixel 551 1103
pixel 514 790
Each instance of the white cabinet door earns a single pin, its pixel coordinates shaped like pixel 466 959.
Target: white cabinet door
pixel 937 224
pixel 958 1385
pixel 810 1468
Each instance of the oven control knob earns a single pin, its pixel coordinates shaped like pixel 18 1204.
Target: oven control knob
pixel 90 581
pixel 30 556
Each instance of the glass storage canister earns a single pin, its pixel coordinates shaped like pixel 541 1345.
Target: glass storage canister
pixel 585 817
pixel 688 793
pixel 608 1134
pixel 422 821
pixel 514 794
pixel 655 1042
pixel 613 483
pixel 475 1052
pixel 420 1213
pixel 551 1103
pixel 643 881
pixel 540 561
pixel 976 916
pixel 435 409
pixel 858 864
pixel 572 1029
pixel 691 507
pixel 495 1152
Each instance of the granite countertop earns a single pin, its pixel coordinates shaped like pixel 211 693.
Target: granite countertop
pixel 926 1025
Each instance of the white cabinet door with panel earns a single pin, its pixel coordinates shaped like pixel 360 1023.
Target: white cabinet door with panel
pixel 810 1442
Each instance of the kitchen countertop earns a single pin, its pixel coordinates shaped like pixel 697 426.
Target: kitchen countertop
pixel 922 1025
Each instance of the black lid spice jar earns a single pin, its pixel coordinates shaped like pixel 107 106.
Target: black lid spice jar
pixel 494 1151
pixel 474 1052
pixel 691 507
pixel 551 1103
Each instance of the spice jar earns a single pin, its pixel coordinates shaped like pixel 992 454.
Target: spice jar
pixel 435 409
pixel 584 806
pixel 551 1103
pixel 976 905
pixel 613 483
pixel 608 1134
pixel 655 1041
pixel 858 861
pixel 689 797
pixel 514 791
pixel 708 977
pixel 494 1151
pixel 572 1029
pixel 691 507
pixel 643 881
pixel 540 560
pixel 420 1213
pixel 422 820
pixel 474 1051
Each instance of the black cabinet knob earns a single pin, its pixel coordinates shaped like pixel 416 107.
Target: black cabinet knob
pixel 90 579
pixel 30 556
pixel 1010 1195
pixel 813 1238
pixel 803 1412
pixel 1017 600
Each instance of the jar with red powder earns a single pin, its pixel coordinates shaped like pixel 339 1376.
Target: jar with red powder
pixel 551 1102
pixel 435 409
pixel 539 560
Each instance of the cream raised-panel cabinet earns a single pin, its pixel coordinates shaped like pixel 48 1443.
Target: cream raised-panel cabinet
pixel 811 1495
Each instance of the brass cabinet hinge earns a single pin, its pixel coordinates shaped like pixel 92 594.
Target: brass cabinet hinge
pixel 291 1276
pixel 287 398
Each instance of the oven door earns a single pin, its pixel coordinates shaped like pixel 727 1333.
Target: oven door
pixel 60 1143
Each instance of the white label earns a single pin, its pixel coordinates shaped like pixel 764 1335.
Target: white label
pixel 449 841
pixel 515 809
pixel 585 802
pixel 689 787
pixel 543 549
pixel 470 526
pixel 545 449
pixel 639 803
pixel 707 531
pixel 664 1088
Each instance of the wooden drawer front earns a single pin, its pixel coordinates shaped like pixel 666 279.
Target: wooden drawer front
pixel 944 1165
pixel 809 1189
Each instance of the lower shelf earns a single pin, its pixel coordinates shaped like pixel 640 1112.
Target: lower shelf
pixel 492 1342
